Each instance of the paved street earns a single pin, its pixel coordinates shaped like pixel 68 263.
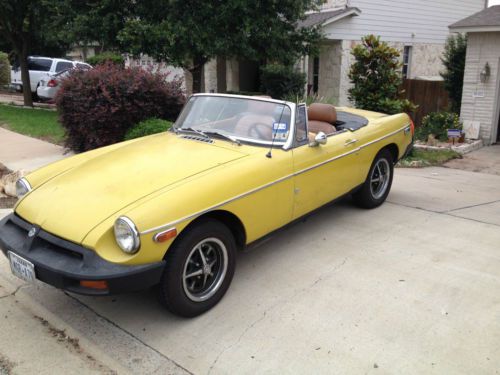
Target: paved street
pixel 410 287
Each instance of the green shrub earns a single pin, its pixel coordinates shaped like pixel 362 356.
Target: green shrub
pixel 281 81
pixel 106 57
pixel 4 69
pixel 437 124
pixel 454 61
pixel 376 77
pixel 147 127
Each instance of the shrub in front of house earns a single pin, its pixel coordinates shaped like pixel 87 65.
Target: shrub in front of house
pixel 106 57
pixel 454 62
pixel 281 81
pixel 4 69
pixel 97 107
pixel 148 127
pixel 437 124
pixel 376 77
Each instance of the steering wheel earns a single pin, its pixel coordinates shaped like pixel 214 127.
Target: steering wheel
pixel 259 130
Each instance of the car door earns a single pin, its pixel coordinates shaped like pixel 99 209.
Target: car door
pixel 322 172
pixel 38 69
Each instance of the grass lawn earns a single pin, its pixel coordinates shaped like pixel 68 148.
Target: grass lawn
pixel 38 123
pixel 427 158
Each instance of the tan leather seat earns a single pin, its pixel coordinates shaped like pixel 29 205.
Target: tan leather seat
pixel 321 118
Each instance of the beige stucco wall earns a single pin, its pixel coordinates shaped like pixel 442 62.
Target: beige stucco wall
pixel 480 101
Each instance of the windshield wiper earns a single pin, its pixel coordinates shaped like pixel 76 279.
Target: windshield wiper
pixel 226 136
pixel 191 130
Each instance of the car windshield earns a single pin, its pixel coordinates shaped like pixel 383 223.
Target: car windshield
pixel 249 120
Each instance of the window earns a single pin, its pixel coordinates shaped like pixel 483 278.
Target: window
pixel 63 65
pixel 315 74
pixel 406 61
pixel 82 66
pixel 42 65
pixel 301 125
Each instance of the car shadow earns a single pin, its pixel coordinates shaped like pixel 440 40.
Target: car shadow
pixel 255 266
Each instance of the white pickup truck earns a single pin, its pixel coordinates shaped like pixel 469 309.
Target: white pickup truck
pixel 42 68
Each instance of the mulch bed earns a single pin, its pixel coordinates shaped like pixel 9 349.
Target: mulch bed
pixel 8 202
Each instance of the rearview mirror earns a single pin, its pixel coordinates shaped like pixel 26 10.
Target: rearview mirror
pixel 319 139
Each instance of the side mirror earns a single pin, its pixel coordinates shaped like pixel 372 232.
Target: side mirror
pixel 320 139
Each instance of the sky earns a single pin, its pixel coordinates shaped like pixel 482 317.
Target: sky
pixel 494 2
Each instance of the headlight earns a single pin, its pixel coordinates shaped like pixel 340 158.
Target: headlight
pixel 23 187
pixel 127 235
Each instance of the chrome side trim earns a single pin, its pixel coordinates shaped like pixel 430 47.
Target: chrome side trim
pixel 172 223
pixel 327 161
pixel 242 195
pixel 384 137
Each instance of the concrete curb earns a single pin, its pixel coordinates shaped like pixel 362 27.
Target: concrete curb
pixel 462 148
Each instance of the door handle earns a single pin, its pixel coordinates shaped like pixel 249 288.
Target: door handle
pixel 350 142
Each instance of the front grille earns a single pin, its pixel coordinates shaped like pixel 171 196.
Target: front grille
pixel 43 240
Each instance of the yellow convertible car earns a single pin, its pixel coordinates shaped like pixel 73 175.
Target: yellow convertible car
pixel 172 209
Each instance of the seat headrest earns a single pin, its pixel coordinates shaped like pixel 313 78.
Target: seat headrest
pixel 322 112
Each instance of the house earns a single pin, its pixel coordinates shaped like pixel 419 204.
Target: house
pixel 481 91
pixel 418 28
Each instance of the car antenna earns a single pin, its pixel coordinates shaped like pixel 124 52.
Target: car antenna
pixel 275 131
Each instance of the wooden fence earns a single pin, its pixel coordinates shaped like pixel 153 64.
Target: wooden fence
pixel 430 96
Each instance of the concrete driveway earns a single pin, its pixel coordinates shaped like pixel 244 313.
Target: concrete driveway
pixel 411 287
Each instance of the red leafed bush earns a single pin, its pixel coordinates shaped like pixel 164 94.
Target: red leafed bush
pixel 98 106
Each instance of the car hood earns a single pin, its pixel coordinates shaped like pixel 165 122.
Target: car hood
pixel 72 203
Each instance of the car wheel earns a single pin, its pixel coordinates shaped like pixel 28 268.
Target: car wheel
pixel 378 183
pixel 34 95
pixel 199 269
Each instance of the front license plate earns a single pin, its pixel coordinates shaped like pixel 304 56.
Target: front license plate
pixel 21 267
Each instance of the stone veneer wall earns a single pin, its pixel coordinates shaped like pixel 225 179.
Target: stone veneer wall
pixel 210 75
pixel 481 101
pixel 425 60
pixel 336 59
pixel 330 60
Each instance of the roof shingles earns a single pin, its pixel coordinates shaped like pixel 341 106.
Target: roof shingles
pixel 319 18
pixel 486 18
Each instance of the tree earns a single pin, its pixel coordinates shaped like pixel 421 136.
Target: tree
pixel 90 22
pixel 22 24
pixel 376 77
pixel 188 33
pixel 454 62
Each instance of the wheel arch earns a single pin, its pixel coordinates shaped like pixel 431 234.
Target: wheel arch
pixel 394 150
pixel 227 218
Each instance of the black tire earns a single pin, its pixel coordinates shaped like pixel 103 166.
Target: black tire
pixel 34 95
pixel 207 242
pixel 369 196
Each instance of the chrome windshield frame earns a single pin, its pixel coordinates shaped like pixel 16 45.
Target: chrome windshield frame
pixel 288 144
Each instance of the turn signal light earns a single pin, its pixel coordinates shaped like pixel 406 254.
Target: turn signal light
pixel 166 235
pixel 94 284
pixel 412 128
